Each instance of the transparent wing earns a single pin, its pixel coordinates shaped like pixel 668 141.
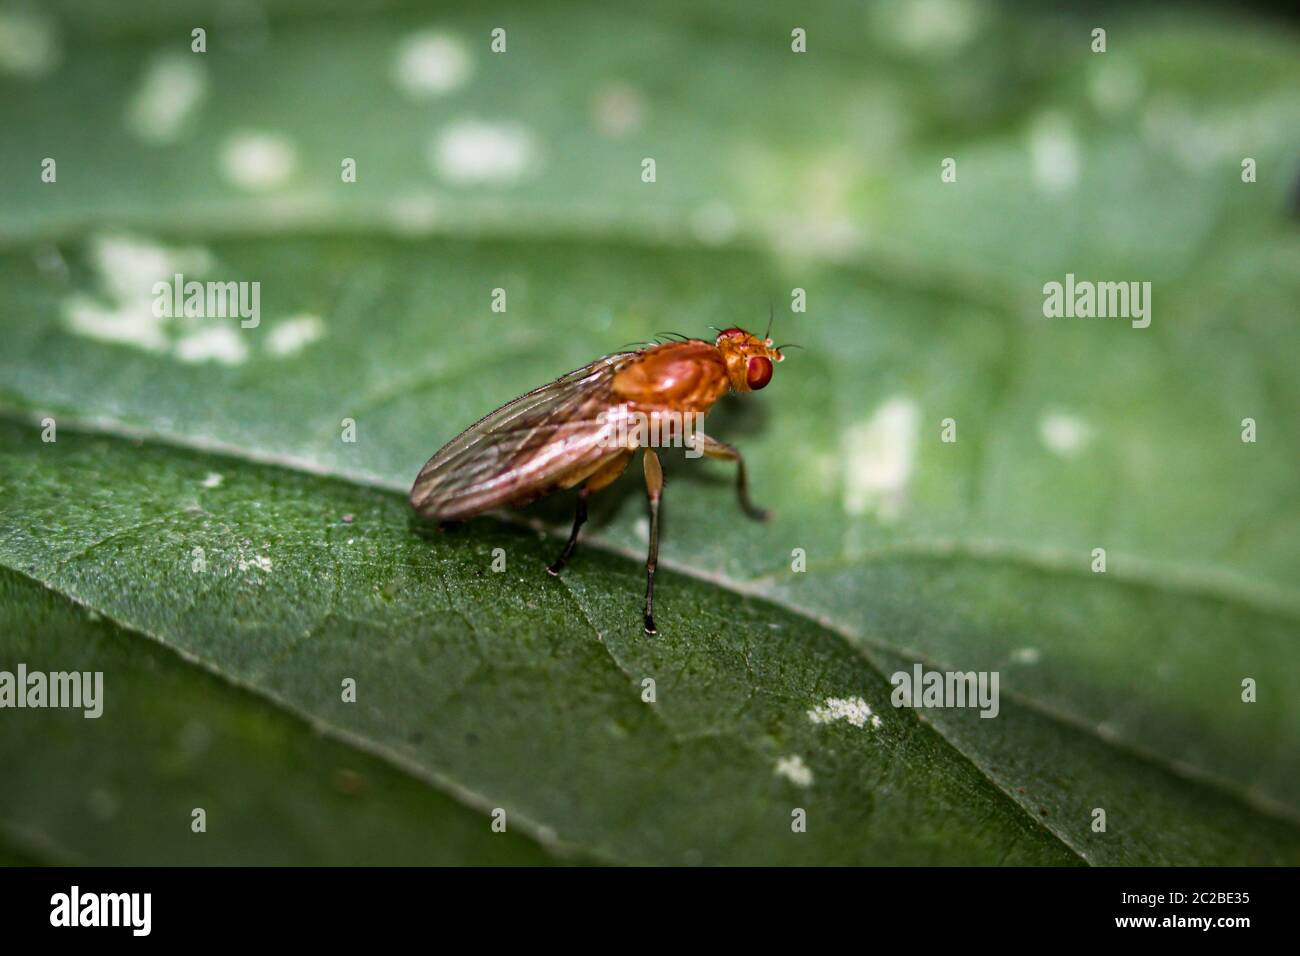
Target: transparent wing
pixel 526 448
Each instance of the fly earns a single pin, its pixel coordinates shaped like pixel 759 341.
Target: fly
pixel 559 436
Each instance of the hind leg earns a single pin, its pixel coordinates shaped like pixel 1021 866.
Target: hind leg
pixel 603 476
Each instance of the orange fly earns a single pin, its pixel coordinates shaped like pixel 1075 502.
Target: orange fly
pixel 563 434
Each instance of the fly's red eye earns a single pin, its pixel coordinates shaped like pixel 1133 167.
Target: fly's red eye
pixel 758 372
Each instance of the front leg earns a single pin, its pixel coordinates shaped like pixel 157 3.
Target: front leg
pixel 716 449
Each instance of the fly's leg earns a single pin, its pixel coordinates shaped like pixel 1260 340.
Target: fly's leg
pixel 579 519
pixel 603 476
pixel 716 449
pixel 654 486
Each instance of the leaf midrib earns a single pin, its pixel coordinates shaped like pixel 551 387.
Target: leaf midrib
pixel 1165 578
pixel 1130 571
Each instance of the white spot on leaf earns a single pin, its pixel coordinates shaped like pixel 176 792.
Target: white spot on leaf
pixel 256 161
pixel 853 709
pixel 171 90
pixel 213 343
pixel 133 325
pixel 472 152
pixel 430 64
pixel 926 26
pixel 1054 154
pixel 1064 434
pixel 29 43
pixel 292 335
pixel 1026 655
pixel 879 455
pixel 126 269
pixel 795 770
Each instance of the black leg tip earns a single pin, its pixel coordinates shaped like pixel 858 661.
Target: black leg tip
pixel 554 570
pixel 650 625
pixel 759 514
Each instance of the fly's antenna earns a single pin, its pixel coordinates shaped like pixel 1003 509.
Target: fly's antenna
pixel 771 314
pixel 789 345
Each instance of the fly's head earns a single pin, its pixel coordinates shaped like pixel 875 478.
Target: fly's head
pixel 749 359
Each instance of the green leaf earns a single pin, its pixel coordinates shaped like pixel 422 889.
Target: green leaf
pixel 479 690
pixel 122 788
pixel 530 689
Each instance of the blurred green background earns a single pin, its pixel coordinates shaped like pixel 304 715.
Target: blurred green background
pixel 775 171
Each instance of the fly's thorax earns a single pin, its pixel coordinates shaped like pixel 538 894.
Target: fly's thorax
pixel 686 376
